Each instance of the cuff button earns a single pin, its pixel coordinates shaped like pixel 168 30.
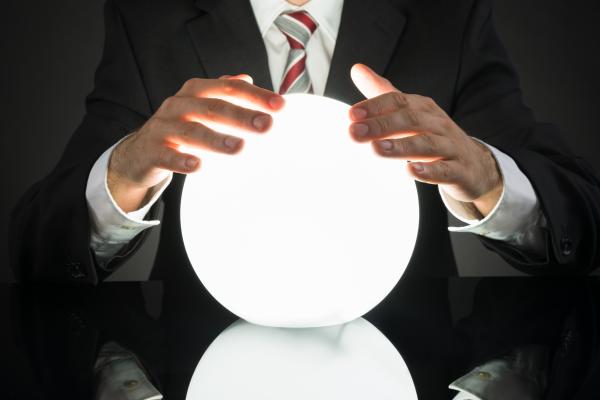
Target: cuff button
pixel 131 384
pixel 74 270
pixel 484 375
pixel 566 246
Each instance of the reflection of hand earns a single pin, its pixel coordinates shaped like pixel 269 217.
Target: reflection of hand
pixel 148 156
pixel 414 128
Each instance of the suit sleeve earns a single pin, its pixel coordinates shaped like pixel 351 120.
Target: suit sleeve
pixel 488 105
pixel 50 226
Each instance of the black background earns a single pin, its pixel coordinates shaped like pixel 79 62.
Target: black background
pixel 50 50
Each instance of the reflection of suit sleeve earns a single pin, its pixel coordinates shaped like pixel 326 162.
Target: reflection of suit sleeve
pixel 50 227
pixel 488 105
pixel 526 335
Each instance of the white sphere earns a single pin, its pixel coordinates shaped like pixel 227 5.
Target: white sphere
pixel 353 362
pixel 304 227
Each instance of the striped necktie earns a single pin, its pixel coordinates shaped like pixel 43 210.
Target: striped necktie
pixel 297 27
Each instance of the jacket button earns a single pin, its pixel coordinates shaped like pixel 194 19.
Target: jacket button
pixel 74 269
pixel 76 323
pixel 131 384
pixel 566 341
pixel 566 246
pixel 484 375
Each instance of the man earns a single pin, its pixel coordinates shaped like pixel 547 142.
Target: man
pixel 475 148
pixel 516 185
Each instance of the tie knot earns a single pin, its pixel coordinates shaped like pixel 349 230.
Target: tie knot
pixel 297 27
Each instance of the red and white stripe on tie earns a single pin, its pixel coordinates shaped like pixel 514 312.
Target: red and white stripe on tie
pixel 297 27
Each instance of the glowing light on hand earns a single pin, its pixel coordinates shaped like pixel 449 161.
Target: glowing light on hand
pixel 304 227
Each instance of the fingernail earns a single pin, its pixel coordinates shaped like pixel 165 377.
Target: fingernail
pixel 232 143
pixel 261 122
pixel 360 130
pixel 191 163
pixel 417 167
pixel 276 102
pixel 385 145
pixel 358 113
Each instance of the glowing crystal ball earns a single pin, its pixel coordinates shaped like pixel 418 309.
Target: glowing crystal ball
pixel 354 361
pixel 305 226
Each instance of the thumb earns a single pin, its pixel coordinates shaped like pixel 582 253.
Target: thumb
pixel 368 82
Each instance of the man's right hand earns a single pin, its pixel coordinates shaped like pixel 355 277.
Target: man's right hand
pixel 148 156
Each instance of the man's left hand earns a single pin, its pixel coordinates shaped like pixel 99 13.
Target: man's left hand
pixel 414 128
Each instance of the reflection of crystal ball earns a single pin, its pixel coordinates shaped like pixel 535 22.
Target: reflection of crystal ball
pixel 304 227
pixel 351 361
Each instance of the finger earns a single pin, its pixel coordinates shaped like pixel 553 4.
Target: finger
pixel 368 82
pixel 236 90
pixel 435 172
pixel 170 159
pixel 393 101
pixel 195 135
pixel 421 147
pixel 379 105
pixel 244 77
pixel 206 110
pixel 401 123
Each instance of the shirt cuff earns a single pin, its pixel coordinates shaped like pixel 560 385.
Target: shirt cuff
pixel 491 381
pixel 516 214
pixel 119 375
pixel 110 224
pixel 497 380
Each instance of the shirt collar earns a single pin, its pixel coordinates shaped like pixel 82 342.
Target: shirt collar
pixel 327 13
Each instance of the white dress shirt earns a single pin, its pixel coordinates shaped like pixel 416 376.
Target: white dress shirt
pixel 516 219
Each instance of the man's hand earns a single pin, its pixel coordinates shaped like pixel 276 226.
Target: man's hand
pixel 145 158
pixel 414 128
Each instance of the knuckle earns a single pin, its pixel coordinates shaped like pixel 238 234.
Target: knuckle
pixel 429 145
pixel 243 116
pixel 218 141
pixel 402 146
pixel 230 86
pixel 193 84
pixel 215 108
pixel 442 123
pixel 407 146
pixel 170 103
pixel 157 127
pixel 383 124
pixel 429 103
pixel 153 124
pixel 164 157
pixel 447 124
pixel 188 85
pixel 186 131
pixel 445 172
pixel 376 107
pixel 412 118
pixel 211 138
pixel 202 134
pixel 399 99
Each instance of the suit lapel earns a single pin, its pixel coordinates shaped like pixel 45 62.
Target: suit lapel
pixel 228 42
pixel 369 33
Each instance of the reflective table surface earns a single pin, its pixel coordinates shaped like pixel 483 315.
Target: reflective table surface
pixel 536 337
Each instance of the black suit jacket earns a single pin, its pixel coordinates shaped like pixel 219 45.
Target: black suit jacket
pixel 447 50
